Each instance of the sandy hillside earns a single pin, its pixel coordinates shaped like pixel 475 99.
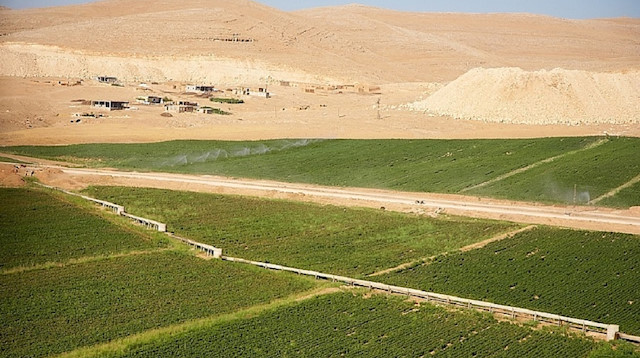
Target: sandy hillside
pixel 346 43
pixel 442 46
pixel 168 44
pixel 512 95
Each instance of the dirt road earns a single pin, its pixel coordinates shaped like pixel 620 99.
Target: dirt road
pixel 582 217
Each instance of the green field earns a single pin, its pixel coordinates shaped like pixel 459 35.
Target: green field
pixel 134 294
pixel 591 173
pixel 625 198
pixel 346 241
pixel 589 275
pixel 37 227
pixel 593 165
pixel 58 309
pixel 11 160
pixel 352 325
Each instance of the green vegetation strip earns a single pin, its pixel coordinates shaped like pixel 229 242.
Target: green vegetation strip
pixel 11 160
pixel 591 275
pixel 56 310
pixel 348 241
pixel 447 166
pixel 38 228
pixel 226 100
pixel 217 111
pixel 355 325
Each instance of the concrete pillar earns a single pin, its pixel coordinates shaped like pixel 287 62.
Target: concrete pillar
pixel 612 332
pixel 162 227
pixel 217 253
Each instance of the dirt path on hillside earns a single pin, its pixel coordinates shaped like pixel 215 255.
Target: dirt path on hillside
pixel 580 217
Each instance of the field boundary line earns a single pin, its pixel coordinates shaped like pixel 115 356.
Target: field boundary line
pixel 500 237
pixel 404 265
pixel 615 191
pixel 151 335
pixel 81 260
pixel 609 330
pixel 469 247
pixel 534 165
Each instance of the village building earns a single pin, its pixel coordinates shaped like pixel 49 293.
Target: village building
pixel 111 105
pixel 187 103
pixel 205 110
pixel 106 79
pixel 181 107
pixel 260 92
pixel 366 89
pixel 200 89
pixel 150 100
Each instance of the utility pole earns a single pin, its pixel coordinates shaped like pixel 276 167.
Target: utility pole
pixel 378 107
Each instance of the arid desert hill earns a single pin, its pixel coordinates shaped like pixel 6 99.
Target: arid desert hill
pixel 512 95
pixel 447 67
pixel 181 40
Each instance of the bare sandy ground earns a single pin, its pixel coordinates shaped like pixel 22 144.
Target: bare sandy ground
pixel 409 55
pixel 41 111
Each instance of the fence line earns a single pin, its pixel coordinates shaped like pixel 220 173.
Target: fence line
pixel 118 209
pixel 207 249
pixel 629 338
pixel 612 331
pixel 152 224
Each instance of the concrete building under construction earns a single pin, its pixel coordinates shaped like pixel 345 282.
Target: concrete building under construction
pixel 200 89
pixel 111 105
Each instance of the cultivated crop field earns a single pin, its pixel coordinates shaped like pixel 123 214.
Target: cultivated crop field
pixel 126 282
pixel 625 198
pixel 593 165
pixel 592 173
pixel 591 275
pixel 38 228
pixel 59 309
pixel 355 325
pixel 162 300
pixel 346 241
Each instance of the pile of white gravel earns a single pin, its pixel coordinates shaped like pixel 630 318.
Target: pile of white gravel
pixel 512 95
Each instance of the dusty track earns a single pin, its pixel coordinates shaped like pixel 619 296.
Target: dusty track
pixel 581 217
